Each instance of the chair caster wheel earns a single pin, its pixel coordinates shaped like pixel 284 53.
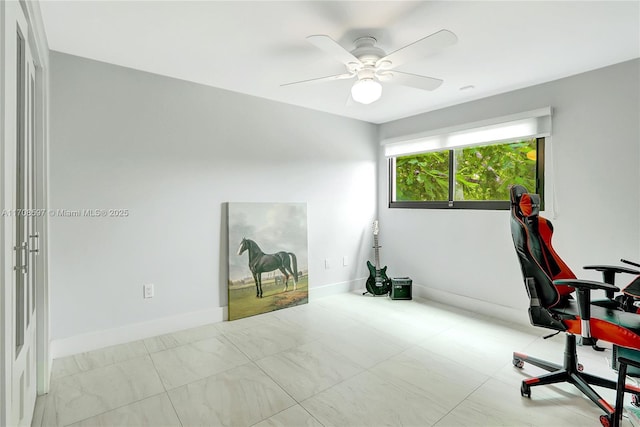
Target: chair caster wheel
pixel 580 367
pixel 605 421
pixel 525 390
pixel 635 400
pixel 518 363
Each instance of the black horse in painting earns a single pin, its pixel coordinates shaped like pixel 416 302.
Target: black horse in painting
pixel 259 263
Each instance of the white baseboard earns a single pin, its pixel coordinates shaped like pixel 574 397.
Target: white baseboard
pixel 137 331
pixel 336 288
pixel 504 313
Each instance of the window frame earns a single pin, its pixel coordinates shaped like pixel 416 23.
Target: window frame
pixel 467 204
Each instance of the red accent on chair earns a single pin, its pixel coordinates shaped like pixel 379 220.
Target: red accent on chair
pixel 632 388
pixel 546 232
pixel 606 405
pixel 573 326
pixel 606 331
pixel 526 206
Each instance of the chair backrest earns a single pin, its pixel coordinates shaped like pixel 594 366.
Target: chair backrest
pixel 532 235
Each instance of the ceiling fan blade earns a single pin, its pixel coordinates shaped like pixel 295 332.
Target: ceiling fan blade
pixel 413 80
pixel 417 49
pixel 322 79
pixel 332 47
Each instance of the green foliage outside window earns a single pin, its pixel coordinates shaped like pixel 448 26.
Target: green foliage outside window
pixel 423 177
pixel 481 173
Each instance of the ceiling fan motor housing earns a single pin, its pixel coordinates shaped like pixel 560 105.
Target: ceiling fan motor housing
pixel 368 54
pixel 366 50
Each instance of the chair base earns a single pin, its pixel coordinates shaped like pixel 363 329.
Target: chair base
pixel 570 372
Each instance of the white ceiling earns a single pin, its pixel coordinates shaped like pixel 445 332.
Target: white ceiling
pixel 254 47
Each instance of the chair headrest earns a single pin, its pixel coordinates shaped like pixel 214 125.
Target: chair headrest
pixel 527 204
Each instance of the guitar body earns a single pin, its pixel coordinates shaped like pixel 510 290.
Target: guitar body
pixel 378 284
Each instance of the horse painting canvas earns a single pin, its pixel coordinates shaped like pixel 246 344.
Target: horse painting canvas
pixel 268 266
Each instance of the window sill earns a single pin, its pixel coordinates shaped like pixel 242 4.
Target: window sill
pixel 495 205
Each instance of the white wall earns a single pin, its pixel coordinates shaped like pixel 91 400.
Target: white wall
pixel 172 152
pixel 5 361
pixel 592 190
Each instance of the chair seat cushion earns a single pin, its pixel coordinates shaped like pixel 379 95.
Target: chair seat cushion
pixel 607 303
pixel 607 324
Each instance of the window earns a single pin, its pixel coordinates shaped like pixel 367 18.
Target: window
pixel 475 177
pixel 470 165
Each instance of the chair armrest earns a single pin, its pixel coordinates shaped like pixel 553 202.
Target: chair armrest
pixel 612 268
pixel 586 284
pixel 583 292
pixel 609 274
pixel 626 261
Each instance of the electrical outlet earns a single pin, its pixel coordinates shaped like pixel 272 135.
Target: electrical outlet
pixel 326 263
pixel 345 261
pixel 148 290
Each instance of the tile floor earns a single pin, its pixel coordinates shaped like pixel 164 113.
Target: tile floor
pixel 345 360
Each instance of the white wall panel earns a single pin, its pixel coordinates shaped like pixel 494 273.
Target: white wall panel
pixel 172 153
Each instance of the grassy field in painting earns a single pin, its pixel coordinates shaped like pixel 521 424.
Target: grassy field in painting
pixel 243 301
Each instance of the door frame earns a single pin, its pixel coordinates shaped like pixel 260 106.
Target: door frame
pixel 40 51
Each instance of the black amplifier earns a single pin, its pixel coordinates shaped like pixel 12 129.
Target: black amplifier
pixel 400 288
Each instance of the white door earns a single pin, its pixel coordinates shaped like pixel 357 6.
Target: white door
pixel 20 225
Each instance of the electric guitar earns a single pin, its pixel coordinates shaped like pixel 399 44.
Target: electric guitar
pixel 378 283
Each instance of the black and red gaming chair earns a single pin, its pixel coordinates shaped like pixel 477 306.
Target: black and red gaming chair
pixel 550 284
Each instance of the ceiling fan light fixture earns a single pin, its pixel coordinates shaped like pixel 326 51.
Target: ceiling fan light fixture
pixel 366 91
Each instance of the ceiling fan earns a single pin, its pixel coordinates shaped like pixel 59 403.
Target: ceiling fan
pixel 370 65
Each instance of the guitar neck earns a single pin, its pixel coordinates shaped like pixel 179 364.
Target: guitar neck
pixel 376 247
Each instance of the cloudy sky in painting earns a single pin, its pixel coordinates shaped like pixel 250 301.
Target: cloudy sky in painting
pixel 274 227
